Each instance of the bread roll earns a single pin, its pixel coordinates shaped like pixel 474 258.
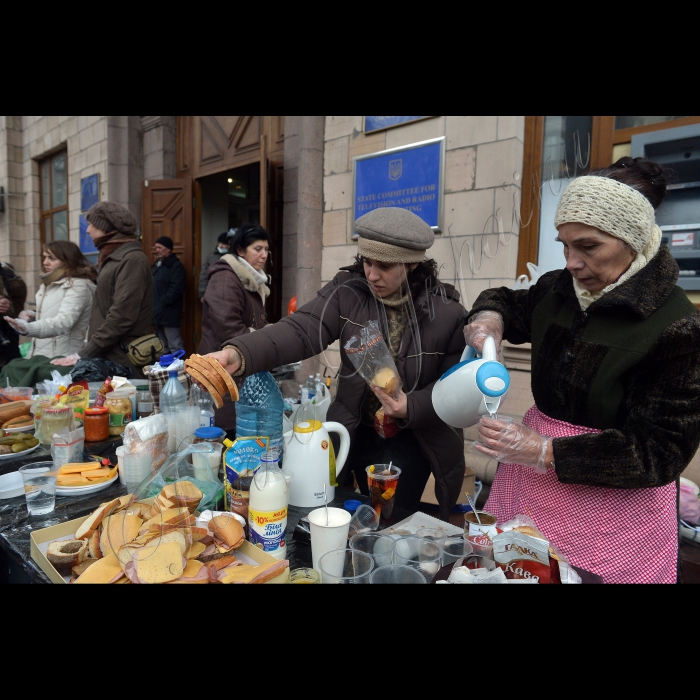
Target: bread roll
pixel 386 379
pixel 65 554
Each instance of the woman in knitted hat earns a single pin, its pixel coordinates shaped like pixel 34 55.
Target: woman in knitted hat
pixel 615 378
pixel 391 283
pixel 63 302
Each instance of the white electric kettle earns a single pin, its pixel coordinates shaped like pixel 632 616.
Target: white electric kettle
pixel 307 449
pixel 474 387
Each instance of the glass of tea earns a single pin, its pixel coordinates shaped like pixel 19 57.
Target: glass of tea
pixel 383 480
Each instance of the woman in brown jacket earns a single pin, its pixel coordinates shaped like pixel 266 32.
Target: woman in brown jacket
pixel 421 318
pixel 234 300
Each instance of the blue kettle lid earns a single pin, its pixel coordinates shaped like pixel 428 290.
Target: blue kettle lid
pixel 492 379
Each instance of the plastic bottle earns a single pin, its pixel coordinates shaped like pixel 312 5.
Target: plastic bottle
pixel 260 411
pixel 173 395
pixel 202 398
pixel 267 507
pixel 310 387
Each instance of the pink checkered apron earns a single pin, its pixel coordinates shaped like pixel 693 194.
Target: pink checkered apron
pixel 623 535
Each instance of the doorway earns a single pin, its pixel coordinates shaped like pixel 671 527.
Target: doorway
pixel 229 199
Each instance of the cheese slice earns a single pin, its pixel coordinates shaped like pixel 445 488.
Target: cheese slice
pixel 79 467
pixel 160 563
pixel 195 550
pixel 95 473
pixel 243 573
pixel 118 529
pixel 102 571
pixel 72 480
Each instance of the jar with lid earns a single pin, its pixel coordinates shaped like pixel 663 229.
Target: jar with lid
pixel 96 424
pixel 53 419
pixel 144 401
pixel 120 410
pixel 212 434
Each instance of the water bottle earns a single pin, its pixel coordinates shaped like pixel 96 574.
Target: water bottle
pixel 173 395
pixel 260 411
pixel 319 388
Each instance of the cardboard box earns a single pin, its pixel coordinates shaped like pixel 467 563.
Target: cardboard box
pixel 469 484
pixel 247 552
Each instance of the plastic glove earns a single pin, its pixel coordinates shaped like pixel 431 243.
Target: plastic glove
pixel 482 324
pixel 27 315
pixel 67 361
pixel 513 443
pixel 18 324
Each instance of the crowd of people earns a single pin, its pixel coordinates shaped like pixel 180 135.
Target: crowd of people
pixel 615 379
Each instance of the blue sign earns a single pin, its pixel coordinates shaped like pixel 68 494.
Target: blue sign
pixel 89 191
pixel 377 123
pixel 409 177
pixel 86 244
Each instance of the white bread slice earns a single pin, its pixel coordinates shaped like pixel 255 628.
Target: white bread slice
pixel 119 529
pixel 183 493
pixel 91 523
pixel 144 507
pixel 160 563
pixel 94 550
pixel 124 501
pixel 198 533
pixel 105 570
pixel 168 516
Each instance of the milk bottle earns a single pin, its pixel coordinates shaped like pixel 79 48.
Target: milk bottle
pixel 267 507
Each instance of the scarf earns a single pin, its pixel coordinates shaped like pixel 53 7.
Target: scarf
pixel 52 276
pixel 109 243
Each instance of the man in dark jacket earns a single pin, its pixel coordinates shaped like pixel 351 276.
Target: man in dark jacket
pixel 222 247
pixel 168 291
pixel 13 294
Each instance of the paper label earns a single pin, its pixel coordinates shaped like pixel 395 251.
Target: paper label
pixel 267 528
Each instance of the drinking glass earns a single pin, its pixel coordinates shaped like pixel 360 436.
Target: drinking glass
pixel 418 553
pixel 454 548
pixel 396 573
pixel 345 566
pixel 379 547
pixel 383 479
pixel 39 480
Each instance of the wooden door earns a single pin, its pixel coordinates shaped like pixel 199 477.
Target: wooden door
pixel 167 207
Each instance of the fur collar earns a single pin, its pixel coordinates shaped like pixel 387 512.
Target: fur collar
pixel 245 274
pixel 641 294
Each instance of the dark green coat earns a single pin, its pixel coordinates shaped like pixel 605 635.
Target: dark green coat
pixel 629 365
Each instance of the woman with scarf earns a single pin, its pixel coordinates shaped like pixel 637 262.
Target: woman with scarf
pixel 392 284
pixel 64 301
pixel 234 300
pixel 124 298
pixel 615 378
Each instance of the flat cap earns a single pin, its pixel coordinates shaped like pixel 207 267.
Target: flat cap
pixel 393 234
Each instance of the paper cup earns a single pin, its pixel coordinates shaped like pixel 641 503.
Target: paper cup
pixel 330 535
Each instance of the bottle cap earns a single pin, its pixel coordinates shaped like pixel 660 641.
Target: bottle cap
pixel 211 433
pixel 352 505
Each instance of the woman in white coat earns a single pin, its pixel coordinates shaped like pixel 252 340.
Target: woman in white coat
pixel 63 303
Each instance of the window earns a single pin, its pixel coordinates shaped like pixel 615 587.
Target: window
pixel 54 198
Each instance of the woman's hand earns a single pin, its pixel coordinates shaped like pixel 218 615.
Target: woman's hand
pixel 68 361
pixel 514 443
pixel 482 324
pixel 18 324
pixel 393 407
pixel 27 315
pixel 228 358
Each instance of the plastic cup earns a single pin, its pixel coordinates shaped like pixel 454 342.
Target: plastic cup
pixel 454 548
pixel 206 463
pixel 327 535
pixel 39 480
pixel 431 533
pixel 383 481
pixel 379 547
pixel 418 553
pixel 120 464
pixel 364 519
pixel 345 566
pixel 396 573
pixel 137 466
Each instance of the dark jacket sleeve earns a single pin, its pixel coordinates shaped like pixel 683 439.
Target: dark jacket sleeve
pixel 661 433
pixel 304 334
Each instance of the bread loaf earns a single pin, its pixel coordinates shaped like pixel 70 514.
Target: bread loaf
pixel 14 409
pixel 65 554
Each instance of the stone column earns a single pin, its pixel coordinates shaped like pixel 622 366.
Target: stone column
pixel 125 162
pixel 159 148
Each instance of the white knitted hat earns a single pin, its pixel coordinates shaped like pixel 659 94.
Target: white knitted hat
pixel 612 207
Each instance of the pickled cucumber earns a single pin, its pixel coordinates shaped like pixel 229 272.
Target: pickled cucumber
pixel 31 442
pixel 2 433
pixel 9 440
